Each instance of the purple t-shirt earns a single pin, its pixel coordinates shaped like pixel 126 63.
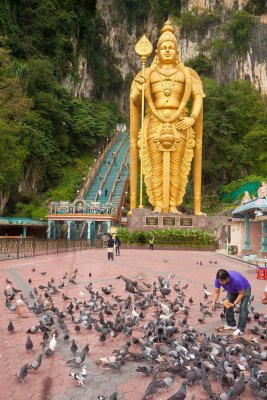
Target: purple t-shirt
pixel 236 284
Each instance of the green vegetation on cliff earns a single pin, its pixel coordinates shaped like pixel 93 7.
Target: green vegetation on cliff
pixel 43 128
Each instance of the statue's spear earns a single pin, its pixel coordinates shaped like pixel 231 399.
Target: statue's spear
pixel 143 48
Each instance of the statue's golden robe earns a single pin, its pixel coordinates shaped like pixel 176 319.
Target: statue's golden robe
pixel 161 134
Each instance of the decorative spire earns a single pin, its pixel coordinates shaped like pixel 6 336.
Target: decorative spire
pixel 167 34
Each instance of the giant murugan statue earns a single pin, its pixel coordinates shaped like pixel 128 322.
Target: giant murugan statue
pixel 169 139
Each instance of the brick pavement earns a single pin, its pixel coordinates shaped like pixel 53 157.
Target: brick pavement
pixel 52 380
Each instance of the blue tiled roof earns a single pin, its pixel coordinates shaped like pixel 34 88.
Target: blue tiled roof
pixel 251 206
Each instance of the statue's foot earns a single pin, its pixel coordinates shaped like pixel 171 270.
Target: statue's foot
pixel 157 209
pixel 174 210
pixel 200 213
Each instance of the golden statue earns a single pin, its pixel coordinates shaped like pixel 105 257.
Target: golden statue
pixel 168 139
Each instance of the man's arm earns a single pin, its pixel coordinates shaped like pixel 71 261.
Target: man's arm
pixel 215 297
pixel 240 296
pixel 264 297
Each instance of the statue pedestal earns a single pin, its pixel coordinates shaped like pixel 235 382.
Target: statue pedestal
pixel 144 219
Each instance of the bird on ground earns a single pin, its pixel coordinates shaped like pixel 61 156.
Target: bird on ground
pixel 229 395
pixel 22 373
pixel 29 344
pixel 166 382
pixel 36 364
pixel 10 327
pixel 65 298
pixel 33 329
pixel 80 376
pixel 152 388
pixel 78 360
pixel 53 343
pixel 180 395
pixel 46 350
pixel 73 347
pixel 112 397
pixel 239 386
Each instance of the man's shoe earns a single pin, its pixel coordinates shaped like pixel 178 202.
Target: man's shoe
pixel 229 328
pixel 238 332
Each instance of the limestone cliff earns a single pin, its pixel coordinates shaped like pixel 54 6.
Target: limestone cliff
pixel 250 65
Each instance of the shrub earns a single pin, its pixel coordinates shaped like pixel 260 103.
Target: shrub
pixel 176 237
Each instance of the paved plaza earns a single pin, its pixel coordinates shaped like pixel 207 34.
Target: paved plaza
pixel 52 380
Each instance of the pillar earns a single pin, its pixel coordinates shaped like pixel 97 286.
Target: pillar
pixel 69 230
pixel 247 234
pixel 108 226
pixel 264 236
pixel 49 229
pixel 89 230
pixel 55 230
pixel 77 226
pixel 59 230
pixel 24 231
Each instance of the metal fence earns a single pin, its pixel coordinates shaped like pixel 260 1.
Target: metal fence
pixel 23 247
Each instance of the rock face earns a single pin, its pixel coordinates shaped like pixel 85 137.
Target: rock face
pixel 251 65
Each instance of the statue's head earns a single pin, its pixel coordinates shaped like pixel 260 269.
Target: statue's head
pixel 167 35
pixel 167 48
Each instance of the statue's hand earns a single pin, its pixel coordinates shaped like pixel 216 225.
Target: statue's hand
pixel 185 123
pixel 139 81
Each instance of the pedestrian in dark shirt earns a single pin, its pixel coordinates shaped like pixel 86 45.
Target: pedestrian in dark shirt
pixel 117 245
pixel 238 291
pixel 110 248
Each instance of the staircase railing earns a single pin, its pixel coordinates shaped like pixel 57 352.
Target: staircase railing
pixel 118 174
pixel 82 230
pixel 122 201
pixel 94 169
pixel 109 168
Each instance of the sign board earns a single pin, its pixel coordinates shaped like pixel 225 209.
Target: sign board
pixel 186 221
pixel 169 221
pixel 152 221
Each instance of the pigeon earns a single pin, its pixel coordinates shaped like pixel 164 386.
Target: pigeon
pixel 152 388
pixel 80 376
pixel 36 364
pixel 10 327
pixel 166 382
pixel 29 344
pixel 79 359
pixel 239 386
pixel 53 343
pixel 73 347
pixel 180 395
pixel 22 373
pixel 146 370
pixel 227 396
pixel 46 350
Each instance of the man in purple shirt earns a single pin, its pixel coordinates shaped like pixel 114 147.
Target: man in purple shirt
pixel 238 291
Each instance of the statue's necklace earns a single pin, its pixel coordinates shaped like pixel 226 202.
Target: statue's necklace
pixel 167 83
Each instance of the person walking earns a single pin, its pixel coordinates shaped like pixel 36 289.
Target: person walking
pixel 264 296
pixel 117 246
pixel 110 249
pixel 106 192
pixel 151 243
pixel 238 291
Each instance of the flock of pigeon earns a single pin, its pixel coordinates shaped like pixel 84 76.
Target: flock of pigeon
pixel 153 320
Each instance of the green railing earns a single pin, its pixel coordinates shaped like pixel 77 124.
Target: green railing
pixel 23 247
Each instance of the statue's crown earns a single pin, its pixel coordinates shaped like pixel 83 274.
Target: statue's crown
pixel 167 33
